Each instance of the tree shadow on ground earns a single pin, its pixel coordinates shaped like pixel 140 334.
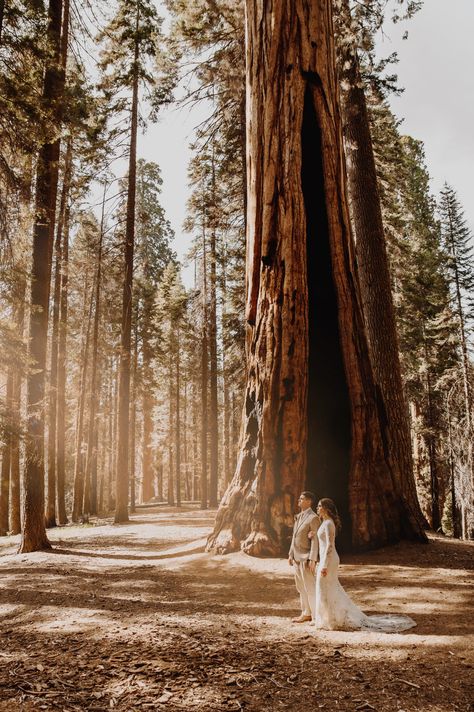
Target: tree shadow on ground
pixel 215 632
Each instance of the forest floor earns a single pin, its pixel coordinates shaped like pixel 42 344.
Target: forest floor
pixel 138 617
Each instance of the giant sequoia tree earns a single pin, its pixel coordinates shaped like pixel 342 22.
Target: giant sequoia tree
pixel 310 415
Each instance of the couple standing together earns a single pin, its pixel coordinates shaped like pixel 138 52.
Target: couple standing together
pixel 323 600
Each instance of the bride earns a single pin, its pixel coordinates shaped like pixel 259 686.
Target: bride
pixel 334 609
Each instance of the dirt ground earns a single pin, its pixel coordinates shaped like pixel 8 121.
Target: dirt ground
pixel 138 617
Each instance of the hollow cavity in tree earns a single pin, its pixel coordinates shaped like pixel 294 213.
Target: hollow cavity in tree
pixel 329 409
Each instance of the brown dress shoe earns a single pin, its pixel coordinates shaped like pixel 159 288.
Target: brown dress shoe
pixel 301 619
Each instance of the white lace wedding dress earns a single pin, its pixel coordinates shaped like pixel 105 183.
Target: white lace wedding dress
pixel 334 609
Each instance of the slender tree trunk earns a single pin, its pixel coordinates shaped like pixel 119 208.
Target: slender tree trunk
pixel 226 404
pixel 452 477
pixel 62 356
pixel 170 422
pixel 6 464
pixel 204 377
pixel 133 418
pixel 432 449
pixel 53 387
pixel 308 364
pixel 374 273
pixel 187 482
pixel 178 424
pixel 110 434
pixel 15 482
pixel 121 510
pixel 159 477
pixel 234 437
pixel 196 493
pixel 50 514
pixel 213 403
pixel 90 483
pixel 53 384
pixel 34 532
pixel 78 498
pixel 148 402
pixel 113 469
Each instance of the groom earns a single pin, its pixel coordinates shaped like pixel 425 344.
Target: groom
pixel 303 555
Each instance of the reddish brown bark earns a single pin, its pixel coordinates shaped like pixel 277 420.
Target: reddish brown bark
pixel 308 361
pixel 373 267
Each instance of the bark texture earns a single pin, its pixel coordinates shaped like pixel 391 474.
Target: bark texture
pixel 33 530
pixel 374 273
pixel 62 356
pixel 122 485
pixel 306 326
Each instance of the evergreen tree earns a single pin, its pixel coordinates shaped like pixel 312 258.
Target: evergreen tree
pixel 129 62
pixel 457 241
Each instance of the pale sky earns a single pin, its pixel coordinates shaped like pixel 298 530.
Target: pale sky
pixel 436 68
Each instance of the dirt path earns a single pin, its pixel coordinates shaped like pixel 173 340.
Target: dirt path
pixel 137 617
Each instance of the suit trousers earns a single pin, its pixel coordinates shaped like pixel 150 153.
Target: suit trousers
pixel 306 587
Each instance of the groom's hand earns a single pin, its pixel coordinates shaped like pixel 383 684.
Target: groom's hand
pixel 324 572
pixel 290 561
pixel 312 566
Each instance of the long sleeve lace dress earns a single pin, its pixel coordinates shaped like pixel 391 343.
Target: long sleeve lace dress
pixel 334 608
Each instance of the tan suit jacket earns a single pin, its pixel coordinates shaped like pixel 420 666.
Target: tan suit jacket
pixel 302 548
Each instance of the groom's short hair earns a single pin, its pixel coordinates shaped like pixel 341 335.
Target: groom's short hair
pixel 309 495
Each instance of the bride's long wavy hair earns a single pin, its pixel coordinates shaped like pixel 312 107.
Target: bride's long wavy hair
pixel 331 509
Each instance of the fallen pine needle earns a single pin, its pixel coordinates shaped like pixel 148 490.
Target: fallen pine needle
pixel 407 682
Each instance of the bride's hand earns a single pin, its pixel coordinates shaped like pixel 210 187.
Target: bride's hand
pixel 324 572
pixel 311 535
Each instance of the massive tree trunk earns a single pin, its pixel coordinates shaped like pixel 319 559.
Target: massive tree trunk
pixel 310 413
pixel 122 485
pixel 34 532
pixel 374 274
